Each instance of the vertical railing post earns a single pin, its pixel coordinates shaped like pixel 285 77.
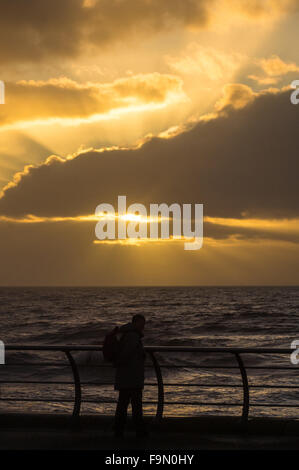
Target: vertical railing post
pixel 245 389
pixel 77 383
pixel 160 404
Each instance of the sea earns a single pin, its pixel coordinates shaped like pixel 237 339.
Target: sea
pixel 194 383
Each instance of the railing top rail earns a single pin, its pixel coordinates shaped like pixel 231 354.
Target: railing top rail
pixel 64 347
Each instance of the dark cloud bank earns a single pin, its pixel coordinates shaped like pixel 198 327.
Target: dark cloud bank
pixel 244 162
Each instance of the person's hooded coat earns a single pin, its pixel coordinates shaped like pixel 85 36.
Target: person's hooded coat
pixel 130 359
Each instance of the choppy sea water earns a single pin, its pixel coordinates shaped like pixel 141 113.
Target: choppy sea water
pixel 184 316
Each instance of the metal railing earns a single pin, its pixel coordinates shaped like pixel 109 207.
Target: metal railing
pixel 237 353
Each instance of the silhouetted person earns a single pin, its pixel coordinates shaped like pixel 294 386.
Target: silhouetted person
pixel 129 376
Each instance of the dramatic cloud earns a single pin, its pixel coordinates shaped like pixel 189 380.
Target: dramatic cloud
pixel 276 67
pixel 108 75
pixel 273 69
pixel 236 96
pixel 243 163
pixel 64 98
pixel 34 30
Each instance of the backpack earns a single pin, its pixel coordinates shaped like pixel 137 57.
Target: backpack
pixel 110 346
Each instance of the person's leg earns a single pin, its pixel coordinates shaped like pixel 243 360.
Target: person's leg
pixel 136 401
pixel 121 412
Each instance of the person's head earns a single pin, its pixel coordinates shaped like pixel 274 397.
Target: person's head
pixel 138 321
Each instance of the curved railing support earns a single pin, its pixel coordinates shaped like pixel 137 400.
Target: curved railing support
pixel 77 383
pixel 160 404
pixel 245 388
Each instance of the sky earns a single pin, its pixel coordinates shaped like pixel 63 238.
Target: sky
pixel 164 101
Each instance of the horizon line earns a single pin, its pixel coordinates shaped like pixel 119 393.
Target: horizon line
pixel 143 285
